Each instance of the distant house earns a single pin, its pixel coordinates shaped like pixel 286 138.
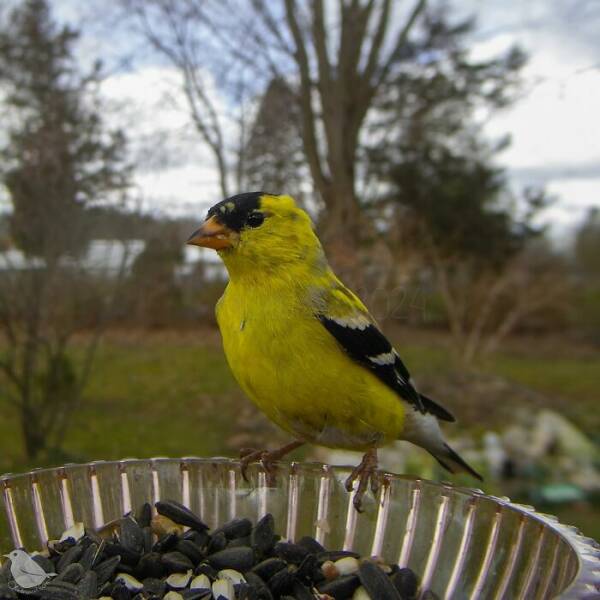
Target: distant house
pixel 102 256
pixel 108 257
pixel 212 267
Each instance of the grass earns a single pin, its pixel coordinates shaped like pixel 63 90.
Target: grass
pixel 172 394
pixel 148 396
pixel 572 384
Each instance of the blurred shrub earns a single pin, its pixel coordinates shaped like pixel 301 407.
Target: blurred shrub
pixel 153 294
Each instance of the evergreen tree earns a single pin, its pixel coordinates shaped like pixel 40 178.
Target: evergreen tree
pixel 274 158
pixel 59 158
pixel 429 149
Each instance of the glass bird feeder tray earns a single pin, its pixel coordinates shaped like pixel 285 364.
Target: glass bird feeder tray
pixel 460 542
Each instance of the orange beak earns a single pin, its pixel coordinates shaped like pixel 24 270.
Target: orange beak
pixel 211 234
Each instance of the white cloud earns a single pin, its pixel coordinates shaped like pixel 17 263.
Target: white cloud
pixel 555 124
pixel 554 127
pixel 175 171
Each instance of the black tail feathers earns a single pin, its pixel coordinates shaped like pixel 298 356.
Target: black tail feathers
pixel 452 462
pixel 436 410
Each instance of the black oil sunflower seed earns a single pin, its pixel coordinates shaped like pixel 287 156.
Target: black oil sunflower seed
pixel 131 535
pixel 166 542
pixel 200 538
pixel 150 565
pixel 376 582
pixel 262 537
pixel 87 558
pixel 88 586
pixel 310 545
pixel 72 573
pixel 246 592
pixel 308 569
pixel 301 591
pixel 44 562
pixel 268 567
pixel 205 569
pixel 180 514
pixel 60 590
pixel 406 583
pixel 128 557
pixel 191 550
pixel 259 586
pixel 148 540
pixel 106 569
pixel 217 543
pixel 154 587
pixel 93 536
pixel 120 592
pixel 282 582
pixel 240 559
pixel 235 528
pixel 263 567
pixel 292 553
pixel 176 562
pixel 342 587
pixel 144 515
pixel 72 555
pixel 237 542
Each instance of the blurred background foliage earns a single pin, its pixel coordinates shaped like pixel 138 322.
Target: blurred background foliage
pixel 108 343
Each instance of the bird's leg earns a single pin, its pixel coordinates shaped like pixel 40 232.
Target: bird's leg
pixel 365 472
pixel 266 457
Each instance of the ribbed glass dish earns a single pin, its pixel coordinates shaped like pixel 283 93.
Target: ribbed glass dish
pixel 460 542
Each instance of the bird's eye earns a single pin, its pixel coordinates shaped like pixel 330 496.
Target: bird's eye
pixel 255 219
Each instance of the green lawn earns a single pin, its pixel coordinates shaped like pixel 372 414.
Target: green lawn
pixel 572 383
pixel 173 395
pixel 148 396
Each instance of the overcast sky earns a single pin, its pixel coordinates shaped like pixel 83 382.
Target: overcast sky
pixel 555 127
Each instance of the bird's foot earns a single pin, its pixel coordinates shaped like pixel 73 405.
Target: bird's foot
pixel 366 472
pixel 267 459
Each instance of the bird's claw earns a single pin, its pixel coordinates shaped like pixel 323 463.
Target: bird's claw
pixel 366 473
pixel 250 455
pixel 266 458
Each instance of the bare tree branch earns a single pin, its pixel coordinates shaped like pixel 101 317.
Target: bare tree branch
pixel 311 147
pixel 181 55
pixel 376 45
pixel 401 41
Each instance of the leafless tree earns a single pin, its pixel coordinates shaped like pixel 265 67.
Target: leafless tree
pixel 181 31
pixel 43 306
pixel 338 81
pixel 335 57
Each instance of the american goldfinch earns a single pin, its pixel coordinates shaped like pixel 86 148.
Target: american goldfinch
pixel 304 347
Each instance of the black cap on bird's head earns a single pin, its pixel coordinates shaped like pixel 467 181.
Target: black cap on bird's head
pixel 234 212
pixel 258 232
pixel 228 218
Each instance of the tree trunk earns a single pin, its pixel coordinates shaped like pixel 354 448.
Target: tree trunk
pixel 33 435
pixel 341 232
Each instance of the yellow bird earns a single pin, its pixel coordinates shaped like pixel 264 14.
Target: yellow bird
pixel 304 347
